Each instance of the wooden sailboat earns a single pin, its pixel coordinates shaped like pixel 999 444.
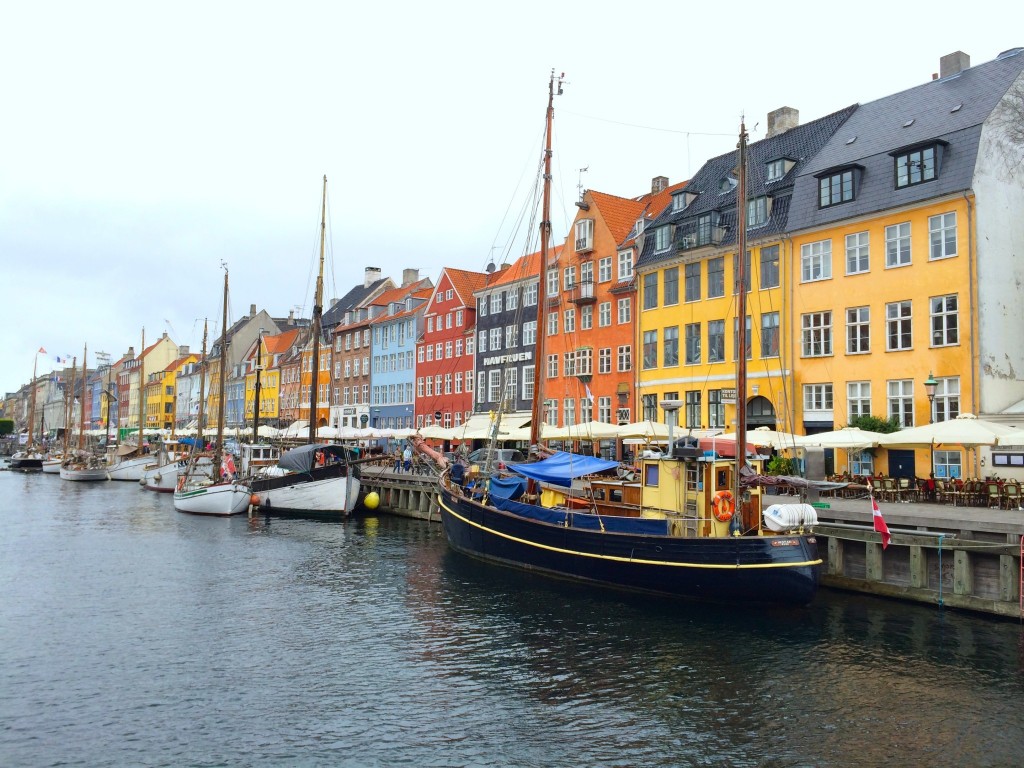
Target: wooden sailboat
pixel 317 478
pixel 81 465
pixel 685 527
pixel 55 458
pixel 30 458
pixel 209 487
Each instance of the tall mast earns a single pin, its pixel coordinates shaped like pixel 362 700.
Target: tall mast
pixel 81 416
pixel 318 301
pixel 32 402
pixel 741 326
pixel 202 393
pixel 142 387
pixel 256 401
pixel 545 236
pixel 219 450
pixel 69 405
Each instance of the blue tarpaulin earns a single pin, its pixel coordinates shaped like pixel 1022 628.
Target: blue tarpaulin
pixel 508 487
pixel 561 468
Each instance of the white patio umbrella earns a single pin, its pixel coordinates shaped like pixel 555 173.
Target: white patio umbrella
pixel 328 433
pixel 435 432
pixel 766 437
pixel 848 437
pixel 591 430
pixel 966 430
pixel 645 430
pixel 266 430
pixel 1012 438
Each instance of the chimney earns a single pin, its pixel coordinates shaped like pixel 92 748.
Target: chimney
pixel 252 310
pixel 372 276
pixel 659 184
pixel 291 317
pixel 130 354
pixel 183 350
pixel 410 276
pixel 954 64
pixel 781 120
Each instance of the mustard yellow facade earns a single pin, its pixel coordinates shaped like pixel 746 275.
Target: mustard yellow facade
pixel 269 386
pixel 891 309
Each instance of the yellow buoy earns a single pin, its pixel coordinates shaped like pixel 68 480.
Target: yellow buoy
pixel 372 500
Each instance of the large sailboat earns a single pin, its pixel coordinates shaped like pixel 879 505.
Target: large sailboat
pixel 686 526
pixel 128 461
pixel 318 478
pixel 30 458
pixel 80 464
pixel 208 485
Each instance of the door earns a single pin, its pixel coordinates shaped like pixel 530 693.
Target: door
pixel 901 464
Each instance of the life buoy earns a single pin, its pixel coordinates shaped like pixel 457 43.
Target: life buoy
pixel 723 505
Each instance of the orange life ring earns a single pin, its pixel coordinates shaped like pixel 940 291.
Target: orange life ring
pixel 723 505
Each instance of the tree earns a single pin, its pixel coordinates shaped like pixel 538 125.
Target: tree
pixel 875 424
pixel 6 426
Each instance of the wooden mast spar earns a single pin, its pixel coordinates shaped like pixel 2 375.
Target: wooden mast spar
pixel 222 378
pixel 741 330
pixel 81 408
pixel 318 308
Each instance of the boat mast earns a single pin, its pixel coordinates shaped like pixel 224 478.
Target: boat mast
pixel 318 301
pixel 69 405
pixel 142 388
pixel 741 327
pixel 81 416
pixel 32 402
pixel 256 402
pixel 219 449
pixel 202 395
pixel 545 236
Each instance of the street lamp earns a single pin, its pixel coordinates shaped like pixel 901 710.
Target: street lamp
pixel 929 388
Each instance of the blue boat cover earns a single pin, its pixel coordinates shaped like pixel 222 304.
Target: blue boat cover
pixel 561 468
pixel 508 487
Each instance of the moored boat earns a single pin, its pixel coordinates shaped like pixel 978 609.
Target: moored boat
pixel 316 478
pixel 162 472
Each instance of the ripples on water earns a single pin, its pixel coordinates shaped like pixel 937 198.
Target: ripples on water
pixel 131 634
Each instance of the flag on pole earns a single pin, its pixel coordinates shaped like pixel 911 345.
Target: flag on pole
pixel 41 351
pixel 879 521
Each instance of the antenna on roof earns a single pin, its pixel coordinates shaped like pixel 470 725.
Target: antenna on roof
pixel 579 185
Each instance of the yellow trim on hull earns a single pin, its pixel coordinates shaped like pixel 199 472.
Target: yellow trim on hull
pixel 616 558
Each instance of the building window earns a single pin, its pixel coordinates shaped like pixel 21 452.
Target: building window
pixel 568 278
pixel 857 253
pixel 586 410
pixel 604 360
pixel 671 286
pixel 736 272
pixel 650 407
pixel 946 404
pixel 816 334
pixel 482 346
pixel 858 399
pixel 625 266
pixel 528 383
pixel 770 334
pixel 587 318
pixel 625 311
pixel 552 284
pixel 858 330
pixel 530 295
pixel 862 463
pixel 897 245
pixel 529 333
pixel 942 236
pixel 915 167
pixel 604 409
pixel 569 364
pixel 625 358
pixel 716 341
pixel 693 409
pixel 716 277
pixel 945 321
pixel 569 320
pixel 736 338
pixel 551 412
pixel 604 269
pixel 511 302
pixel 586 272
pixel 650 349
pixel 662 238
pixel 816 261
pixel 704 229
pixel 770 267
pixel 552 324
pixel 947 464
pixel 776 169
pixel 650 290
pixel 901 401
pixel 495 341
pixel 552 366
pixel 898 326
pixel 817 397
pixel 757 211
pixel 836 188
pixel 569 411
pixel 511 334
pixel 716 409
pixel 604 314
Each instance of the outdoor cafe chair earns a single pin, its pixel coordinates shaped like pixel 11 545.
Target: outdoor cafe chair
pixel 1011 496
pixel 993 495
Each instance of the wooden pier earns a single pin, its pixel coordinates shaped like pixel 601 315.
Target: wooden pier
pixel 406 494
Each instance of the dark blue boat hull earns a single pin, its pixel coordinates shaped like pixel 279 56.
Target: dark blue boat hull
pixel 758 569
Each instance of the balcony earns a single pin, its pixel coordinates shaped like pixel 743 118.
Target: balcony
pixel 582 293
pixel 584 244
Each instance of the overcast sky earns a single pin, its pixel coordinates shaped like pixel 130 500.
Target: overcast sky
pixel 143 143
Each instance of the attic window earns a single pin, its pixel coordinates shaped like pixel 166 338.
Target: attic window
pixel 909 123
pixel 957 107
pixel 678 202
pixel 851 140
pixel 728 184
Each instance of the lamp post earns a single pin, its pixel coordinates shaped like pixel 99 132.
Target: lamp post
pixel 929 388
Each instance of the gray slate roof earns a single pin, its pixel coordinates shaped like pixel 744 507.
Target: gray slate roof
pixel 349 301
pixel 799 144
pixel 879 129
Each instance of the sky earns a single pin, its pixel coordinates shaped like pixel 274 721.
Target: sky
pixel 143 145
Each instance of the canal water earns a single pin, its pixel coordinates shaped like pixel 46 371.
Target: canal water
pixel 131 634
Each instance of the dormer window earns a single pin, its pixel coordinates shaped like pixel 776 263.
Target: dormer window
pixel 776 169
pixel 584 235
pixel 758 210
pixel 662 238
pixel 916 165
pixel 728 184
pixel 679 201
pixel 639 229
pixel 838 186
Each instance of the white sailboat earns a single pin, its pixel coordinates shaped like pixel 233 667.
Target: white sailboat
pixel 318 478
pixel 209 488
pixel 127 461
pixel 30 458
pixel 81 465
